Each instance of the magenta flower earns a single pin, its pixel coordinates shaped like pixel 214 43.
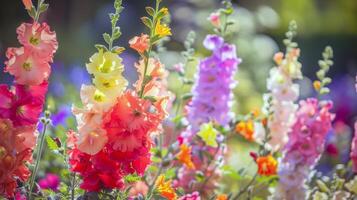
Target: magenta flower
pixel 50 181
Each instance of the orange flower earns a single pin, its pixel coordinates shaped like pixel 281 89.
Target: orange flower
pixel 184 156
pixel 222 197
pixel 140 44
pixel 317 85
pixel 278 58
pixel 164 188
pixel 267 165
pixel 28 4
pixel 246 129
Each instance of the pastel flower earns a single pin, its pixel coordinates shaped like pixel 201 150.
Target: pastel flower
pixel 214 18
pixel 140 44
pixel 192 196
pixel 50 181
pixel 164 188
pixel 162 30
pixel 267 165
pixel 27 69
pixel 91 140
pixel 208 134
pixel 184 156
pixel 138 188
pixel 39 39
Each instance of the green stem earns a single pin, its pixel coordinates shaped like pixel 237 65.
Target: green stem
pixel 38 158
pixel 39 4
pixel 73 185
pixel 246 187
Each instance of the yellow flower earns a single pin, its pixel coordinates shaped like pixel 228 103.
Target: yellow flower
pixel 164 188
pixel 162 29
pixel 317 85
pixel 208 134
pixel 184 156
pixel 165 11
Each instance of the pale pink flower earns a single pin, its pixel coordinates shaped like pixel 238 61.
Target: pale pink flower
pixel 91 140
pixel 138 188
pixel 140 43
pixel 27 69
pixel 39 38
pixel 214 18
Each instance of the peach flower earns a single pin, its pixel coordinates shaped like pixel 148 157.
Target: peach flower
pixel 27 69
pixel 140 44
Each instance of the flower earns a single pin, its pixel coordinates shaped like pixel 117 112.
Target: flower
pixel 164 188
pixel 162 29
pixel 304 147
pixel 214 18
pixel 140 44
pixel 138 188
pixel 222 197
pixel 50 181
pixel 212 93
pixel 39 39
pixel 184 156
pixel 27 69
pixel 317 85
pixel 267 165
pixel 208 134
pixel 353 153
pixel 246 129
pixel 194 196
pixel 130 122
pixel 91 140
pixel 28 4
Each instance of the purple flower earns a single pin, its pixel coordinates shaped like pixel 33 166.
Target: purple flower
pixel 212 93
pixel 50 181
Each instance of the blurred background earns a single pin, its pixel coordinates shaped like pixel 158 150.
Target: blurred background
pixel 259 30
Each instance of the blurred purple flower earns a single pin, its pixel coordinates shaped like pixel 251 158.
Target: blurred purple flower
pixel 50 181
pixel 78 76
pixel 59 118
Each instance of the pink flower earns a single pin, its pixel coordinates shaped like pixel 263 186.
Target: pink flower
pixel 214 18
pixel 38 38
pixel 138 188
pixel 91 140
pixel 27 69
pixel 193 196
pixel 353 153
pixel 50 181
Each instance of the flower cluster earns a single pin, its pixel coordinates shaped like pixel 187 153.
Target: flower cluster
pixel 22 105
pixel 304 148
pixel 212 93
pixel 116 124
pixel 211 102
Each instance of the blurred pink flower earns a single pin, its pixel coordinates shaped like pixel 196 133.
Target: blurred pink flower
pixel 193 196
pixel 50 181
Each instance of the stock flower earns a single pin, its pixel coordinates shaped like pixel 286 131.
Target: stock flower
pixel 162 29
pixel 140 44
pixel 184 156
pixel 304 148
pixel 91 140
pixel 193 196
pixel 27 69
pixel 16 144
pixel 215 20
pixel 267 165
pixel 39 39
pixel 212 95
pixel 246 129
pixel 130 122
pixel 164 188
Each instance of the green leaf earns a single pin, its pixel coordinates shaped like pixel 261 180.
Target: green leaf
pixel 43 8
pixel 132 178
pixel 187 96
pixel 208 134
pixel 32 12
pixel 101 47
pixel 150 11
pixel 107 38
pixel 51 143
pixel 117 33
pixel 147 22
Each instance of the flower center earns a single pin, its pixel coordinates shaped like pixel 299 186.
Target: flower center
pixel 34 41
pixel 27 66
